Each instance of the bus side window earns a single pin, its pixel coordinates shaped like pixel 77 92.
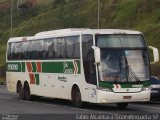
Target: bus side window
pixel 32 53
pixel 25 52
pixel 72 47
pixel 12 51
pixel 76 47
pixel 88 59
pixel 55 47
pixel 36 49
pixel 69 48
pixel 40 50
pixel 60 48
pixel 48 49
pixel 9 55
pixel 29 51
pixel 63 48
pixel 17 50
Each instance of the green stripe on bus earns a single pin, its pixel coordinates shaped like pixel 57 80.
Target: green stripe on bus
pixel 105 84
pixel 37 79
pixel 34 67
pixel 23 66
pixel 60 67
pixel 67 67
pixel 52 67
pixel 124 85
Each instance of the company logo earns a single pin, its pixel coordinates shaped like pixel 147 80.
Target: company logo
pixel 62 78
pixel 70 70
pixel 66 68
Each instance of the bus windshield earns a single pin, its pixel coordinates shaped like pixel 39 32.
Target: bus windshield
pixel 128 63
pixel 123 65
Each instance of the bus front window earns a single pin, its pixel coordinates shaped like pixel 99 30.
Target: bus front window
pixel 137 67
pixel 112 66
pixel 123 65
pixel 124 58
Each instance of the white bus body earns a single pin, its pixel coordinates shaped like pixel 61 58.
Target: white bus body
pixel 61 64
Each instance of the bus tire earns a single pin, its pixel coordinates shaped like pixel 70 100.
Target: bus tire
pixel 122 105
pixel 27 95
pixel 76 98
pixel 20 91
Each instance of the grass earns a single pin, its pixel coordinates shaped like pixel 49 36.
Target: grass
pixel 2 54
pixel 141 15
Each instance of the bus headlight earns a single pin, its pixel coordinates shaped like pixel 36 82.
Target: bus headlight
pixel 146 88
pixel 105 89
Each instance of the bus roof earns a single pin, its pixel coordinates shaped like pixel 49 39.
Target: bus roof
pixel 17 39
pixel 72 31
pixel 87 30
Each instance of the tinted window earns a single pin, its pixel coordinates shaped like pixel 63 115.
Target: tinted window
pixel 69 47
pixel 26 50
pixel 12 50
pixel 72 47
pixel 36 49
pixel 76 51
pixel 9 52
pixel 48 49
pixel 88 59
pixel 16 50
pixel 120 41
pixel 60 47
pixel 52 48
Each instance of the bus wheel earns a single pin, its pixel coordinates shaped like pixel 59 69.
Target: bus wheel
pixel 20 91
pixel 76 98
pixel 122 105
pixel 27 95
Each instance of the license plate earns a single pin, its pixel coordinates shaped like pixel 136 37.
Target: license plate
pixel 127 97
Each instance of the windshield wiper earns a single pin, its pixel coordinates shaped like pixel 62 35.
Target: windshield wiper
pixel 131 71
pixel 133 74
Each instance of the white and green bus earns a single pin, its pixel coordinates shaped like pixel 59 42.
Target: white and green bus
pixel 82 65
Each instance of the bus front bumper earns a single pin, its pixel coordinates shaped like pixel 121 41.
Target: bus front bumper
pixel 111 97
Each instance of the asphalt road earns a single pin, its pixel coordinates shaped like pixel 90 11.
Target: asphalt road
pixel 11 108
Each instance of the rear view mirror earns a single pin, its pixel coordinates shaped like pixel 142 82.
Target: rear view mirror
pixel 155 54
pixel 97 54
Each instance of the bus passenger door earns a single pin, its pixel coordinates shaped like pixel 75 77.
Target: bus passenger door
pixel 89 67
pixel 90 77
